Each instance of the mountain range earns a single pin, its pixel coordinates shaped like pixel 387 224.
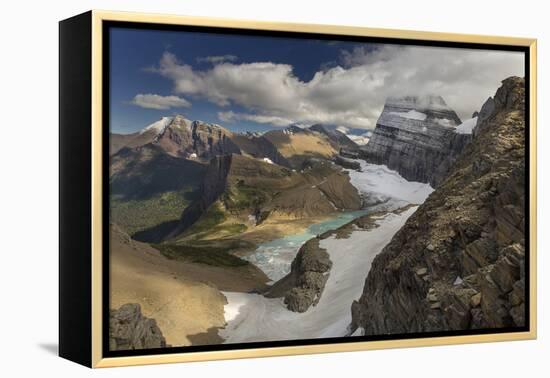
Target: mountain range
pixel 166 176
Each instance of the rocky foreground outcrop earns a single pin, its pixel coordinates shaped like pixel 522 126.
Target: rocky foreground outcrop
pixel 129 329
pixel 416 137
pixel 459 261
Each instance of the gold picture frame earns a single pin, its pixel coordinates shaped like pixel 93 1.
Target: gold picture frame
pixel 95 23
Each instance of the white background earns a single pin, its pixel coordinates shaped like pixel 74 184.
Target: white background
pixel 29 189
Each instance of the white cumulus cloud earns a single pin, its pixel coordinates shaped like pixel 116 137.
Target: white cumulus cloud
pixel 351 94
pixel 155 101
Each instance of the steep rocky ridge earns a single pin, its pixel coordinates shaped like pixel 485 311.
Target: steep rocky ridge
pixel 459 261
pixel 415 136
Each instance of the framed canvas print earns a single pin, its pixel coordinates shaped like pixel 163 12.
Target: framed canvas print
pixel 235 189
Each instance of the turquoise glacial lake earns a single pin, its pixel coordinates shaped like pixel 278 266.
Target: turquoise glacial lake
pixel 274 257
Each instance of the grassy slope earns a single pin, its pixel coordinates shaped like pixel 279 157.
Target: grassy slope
pixel 298 146
pixel 135 215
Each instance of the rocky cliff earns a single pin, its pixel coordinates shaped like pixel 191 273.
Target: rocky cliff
pixel 129 329
pixel 459 261
pixel 415 136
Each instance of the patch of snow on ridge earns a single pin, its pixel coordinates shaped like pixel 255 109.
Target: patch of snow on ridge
pixel 467 126
pixel 267 160
pixel 253 317
pixel 380 183
pixel 360 140
pixel 445 122
pixel 343 129
pixel 158 126
pixel 411 114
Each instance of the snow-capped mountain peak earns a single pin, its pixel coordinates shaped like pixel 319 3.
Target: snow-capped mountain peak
pixel 158 126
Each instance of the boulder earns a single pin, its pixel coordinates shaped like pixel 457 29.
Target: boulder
pixel 129 329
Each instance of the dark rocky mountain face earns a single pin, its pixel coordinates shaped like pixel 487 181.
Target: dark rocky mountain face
pixel 129 330
pixel 415 136
pixel 459 261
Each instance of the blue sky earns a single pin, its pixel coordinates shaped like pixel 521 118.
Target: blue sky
pixel 134 51
pixel 257 83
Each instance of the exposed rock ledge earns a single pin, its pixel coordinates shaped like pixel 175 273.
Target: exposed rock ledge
pixel 129 329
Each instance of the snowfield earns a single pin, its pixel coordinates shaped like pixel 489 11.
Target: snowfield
pixel 379 183
pixel 252 317
pixel 411 114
